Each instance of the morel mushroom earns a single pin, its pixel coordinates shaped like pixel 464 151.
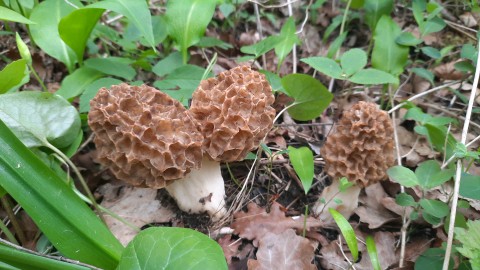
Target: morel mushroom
pixel 361 149
pixel 233 113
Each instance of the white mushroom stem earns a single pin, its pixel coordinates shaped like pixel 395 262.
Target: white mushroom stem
pixel 331 194
pixel 202 190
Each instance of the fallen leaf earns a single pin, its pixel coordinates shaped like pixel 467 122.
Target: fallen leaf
pixel 372 211
pixel 255 223
pixel 229 247
pixel 136 205
pixel 285 251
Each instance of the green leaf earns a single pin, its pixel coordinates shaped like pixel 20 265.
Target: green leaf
pixel 435 208
pixel 352 61
pixel 184 80
pixel 207 42
pixel 288 38
pixel 336 44
pixel 432 26
pixel 72 227
pixel 302 161
pixel 325 65
pixel 115 66
pixel 432 258
pixel 76 27
pixel 13 76
pixel 45 33
pixel 274 80
pixel 470 186
pixel 37 117
pixel 23 49
pixel 261 47
pixel 439 137
pixel 469 52
pixel 403 176
pixel 375 9
pixel 407 39
pixel 187 21
pixel 74 84
pixel 460 221
pixel 387 55
pixel 418 115
pixel 92 90
pixel 464 66
pixel 460 150
pixel 12 16
pixel 373 76
pixel 469 238
pixel 347 232
pixel 431 52
pixel 372 253
pixel 25 260
pixel 344 184
pixel 311 96
pixel 172 248
pixel 226 9
pixel 424 73
pixel 431 219
pixel 440 178
pixel 137 12
pixel 168 64
pixel 404 199
pixel 425 172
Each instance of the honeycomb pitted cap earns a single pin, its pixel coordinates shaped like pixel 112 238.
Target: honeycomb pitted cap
pixel 233 112
pixel 362 147
pixel 144 136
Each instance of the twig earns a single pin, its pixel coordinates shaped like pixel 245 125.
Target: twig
pixel 294 49
pixel 305 19
pixel 458 175
pixel 260 32
pixel 273 6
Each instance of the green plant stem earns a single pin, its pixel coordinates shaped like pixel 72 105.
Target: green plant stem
pixel 305 221
pixel 344 19
pixel 232 176
pixel 13 219
pixel 8 233
pixel 35 74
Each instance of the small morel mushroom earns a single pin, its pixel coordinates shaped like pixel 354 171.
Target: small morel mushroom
pixel 233 113
pixel 361 149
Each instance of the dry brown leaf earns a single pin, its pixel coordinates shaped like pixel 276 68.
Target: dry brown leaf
pixel 229 247
pixel 447 71
pixel 372 211
pixel 255 223
pixel 285 251
pixel 136 205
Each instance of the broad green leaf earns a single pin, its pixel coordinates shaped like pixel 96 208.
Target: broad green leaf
pixel 387 55
pixel 75 83
pixel 404 199
pixel 464 66
pixel 403 176
pixel 311 96
pixel 372 252
pixel 469 238
pixel 168 64
pixel 407 39
pixel 72 227
pixel 261 47
pixel 418 6
pixel 115 66
pixel 435 208
pixel 460 221
pixel 181 82
pixel 12 16
pixel 373 76
pixel 424 73
pixel 352 61
pixel 37 117
pixel 172 248
pixel 432 258
pixel 470 186
pixel 207 42
pixel 187 21
pixel 45 33
pixel 375 9
pixel 226 9
pixel 431 219
pixel 347 232
pixel 302 161
pixel 76 27
pixel 274 80
pixel 439 137
pixel 325 65
pixel 92 90
pixel 468 51
pixel 425 172
pixel 137 12
pixel 440 178
pixel 23 49
pixel 431 52
pixel 418 115
pixel 13 76
pixel 24 260
pixel 432 26
pixel 288 38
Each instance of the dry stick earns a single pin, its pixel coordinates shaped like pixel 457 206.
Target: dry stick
pixel 260 33
pixel 456 188
pixel 272 6
pixel 294 49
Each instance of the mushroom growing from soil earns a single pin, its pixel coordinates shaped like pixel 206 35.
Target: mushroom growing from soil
pixel 233 113
pixel 361 149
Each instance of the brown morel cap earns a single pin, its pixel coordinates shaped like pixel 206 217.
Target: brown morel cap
pixel 233 112
pixel 144 136
pixel 362 147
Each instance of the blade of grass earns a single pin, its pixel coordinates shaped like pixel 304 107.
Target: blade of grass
pixel 347 232
pixel 372 252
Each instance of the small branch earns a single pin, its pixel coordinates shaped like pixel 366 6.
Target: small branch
pixel 294 49
pixel 273 6
pixel 260 32
pixel 458 175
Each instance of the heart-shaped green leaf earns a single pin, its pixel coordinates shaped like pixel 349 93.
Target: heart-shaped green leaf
pixel 37 118
pixel 172 248
pixel 311 96
pixel 302 161
pixel 325 65
pixel 403 176
pixel 353 60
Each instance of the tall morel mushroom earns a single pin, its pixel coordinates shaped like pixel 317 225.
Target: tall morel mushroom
pixel 361 149
pixel 233 112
